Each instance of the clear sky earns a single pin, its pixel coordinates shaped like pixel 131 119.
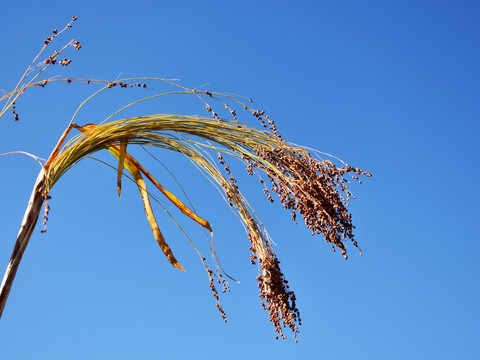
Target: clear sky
pixel 390 87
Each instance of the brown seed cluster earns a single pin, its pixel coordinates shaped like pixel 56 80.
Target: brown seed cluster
pixel 233 182
pixel 232 112
pixel 65 62
pixel 46 209
pixel 277 298
pixel 52 59
pixel 76 45
pixel 315 189
pixel 209 109
pixel 222 282
pixel 275 294
pixel 112 84
pixel 15 115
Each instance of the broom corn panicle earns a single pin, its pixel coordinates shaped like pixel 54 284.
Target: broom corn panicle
pixel 307 186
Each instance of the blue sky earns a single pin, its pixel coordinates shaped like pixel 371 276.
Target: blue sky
pixel 390 87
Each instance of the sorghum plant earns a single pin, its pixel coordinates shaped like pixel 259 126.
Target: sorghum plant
pixel 306 185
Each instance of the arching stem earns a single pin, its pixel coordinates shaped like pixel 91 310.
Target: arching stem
pixel 28 225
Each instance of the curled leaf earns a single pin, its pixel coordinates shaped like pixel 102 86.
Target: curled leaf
pixel 151 218
pixel 121 159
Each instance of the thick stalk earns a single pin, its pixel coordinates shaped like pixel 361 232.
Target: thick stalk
pixel 28 225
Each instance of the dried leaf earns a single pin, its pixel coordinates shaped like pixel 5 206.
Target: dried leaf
pixel 137 176
pixel 121 160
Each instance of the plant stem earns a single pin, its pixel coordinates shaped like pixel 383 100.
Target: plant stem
pixel 28 225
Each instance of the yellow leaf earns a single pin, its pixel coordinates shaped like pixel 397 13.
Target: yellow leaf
pixel 151 219
pixel 121 160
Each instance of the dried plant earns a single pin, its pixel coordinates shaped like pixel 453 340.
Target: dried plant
pixel 309 186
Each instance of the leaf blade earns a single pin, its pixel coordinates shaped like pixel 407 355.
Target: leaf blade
pixel 121 164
